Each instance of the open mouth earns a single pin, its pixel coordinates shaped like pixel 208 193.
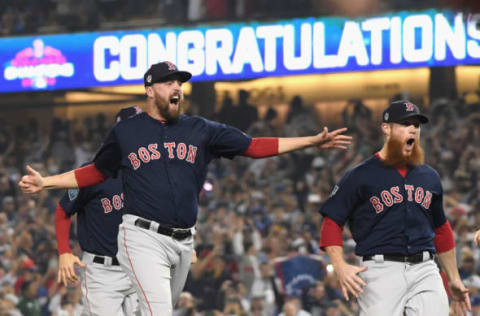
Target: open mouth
pixel 175 99
pixel 410 142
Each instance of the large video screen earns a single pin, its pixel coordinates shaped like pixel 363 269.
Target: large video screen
pixel 241 50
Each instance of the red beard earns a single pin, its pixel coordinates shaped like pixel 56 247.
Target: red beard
pixel 395 157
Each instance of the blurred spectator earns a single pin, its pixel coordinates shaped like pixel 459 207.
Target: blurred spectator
pixel 8 207
pixel 269 125
pixel 210 278
pixel 356 114
pixel 6 140
pixel 217 9
pixel 300 120
pixel 258 308
pixel 7 186
pixel 196 10
pixel 45 16
pixel 67 14
pixel 243 114
pixel 467 266
pixel 226 113
pixel 9 306
pixel 70 303
pixel 233 306
pixel 292 307
pixel 315 299
pixel 264 289
pixel 29 304
pixel 175 11
pixel 185 305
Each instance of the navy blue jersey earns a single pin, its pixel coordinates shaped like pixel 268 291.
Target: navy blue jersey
pixel 99 212
pixel 386 212
pixel 164 165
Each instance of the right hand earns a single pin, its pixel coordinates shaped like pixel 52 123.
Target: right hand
pixel 66 268
pixel 460 298
pixel 349 280
pixel 31 183
pixel 476 238
pixel 334 139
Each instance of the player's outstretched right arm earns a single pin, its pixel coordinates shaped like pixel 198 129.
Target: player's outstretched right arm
pixel 33 182
pixel 82 177
pixel 323 140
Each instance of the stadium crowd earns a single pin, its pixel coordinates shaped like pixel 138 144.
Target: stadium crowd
pixel 28 17
pixel 256 217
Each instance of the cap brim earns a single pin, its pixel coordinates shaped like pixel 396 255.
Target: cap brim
pixel 423 119
pixel 183 76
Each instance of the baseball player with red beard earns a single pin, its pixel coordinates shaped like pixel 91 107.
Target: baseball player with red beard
pixel 393 203
pixel 163 156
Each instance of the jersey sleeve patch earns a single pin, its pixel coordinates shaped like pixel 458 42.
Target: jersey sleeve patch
pixel 342 199
pixel 335 190
pixel 72 194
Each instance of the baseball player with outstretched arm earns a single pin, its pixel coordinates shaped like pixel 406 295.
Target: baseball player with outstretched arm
pixel 106 288
pixel 393 203
pixel 163 157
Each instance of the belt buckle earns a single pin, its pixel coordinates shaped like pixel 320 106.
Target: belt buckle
pixel 107 261
pixel 416 258
pixel 179 234
pixel 98 259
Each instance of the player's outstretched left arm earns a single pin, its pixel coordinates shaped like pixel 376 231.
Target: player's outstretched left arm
pixel 323 140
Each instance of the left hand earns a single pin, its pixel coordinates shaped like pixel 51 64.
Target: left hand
pixel 460 298
pixel 66 268
pixel 335 139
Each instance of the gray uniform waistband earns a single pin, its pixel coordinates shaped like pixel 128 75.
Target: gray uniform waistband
pixel 103 260
pixel 415 258
pixel 153 225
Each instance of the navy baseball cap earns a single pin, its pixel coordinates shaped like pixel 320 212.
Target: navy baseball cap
pixel 125 113
pixel 164 71
pixel 400 110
